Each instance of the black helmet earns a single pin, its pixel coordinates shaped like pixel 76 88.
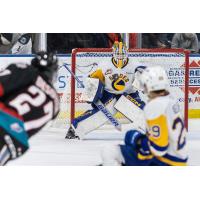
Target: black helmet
pixel 44 59
pixel 46 63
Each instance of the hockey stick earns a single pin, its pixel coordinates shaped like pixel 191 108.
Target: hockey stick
pixel 99 104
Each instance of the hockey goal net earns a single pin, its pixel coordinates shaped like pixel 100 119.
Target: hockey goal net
pixel 86 60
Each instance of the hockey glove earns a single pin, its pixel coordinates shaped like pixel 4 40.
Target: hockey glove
pixel 137 141
pixel 93 90
pixel 12 147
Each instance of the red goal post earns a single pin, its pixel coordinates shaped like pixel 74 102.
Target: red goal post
pixel 162 54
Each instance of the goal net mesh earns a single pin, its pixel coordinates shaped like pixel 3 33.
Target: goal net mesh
pixel 86 61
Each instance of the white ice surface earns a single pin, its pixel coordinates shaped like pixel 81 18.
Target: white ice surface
pixel 49 148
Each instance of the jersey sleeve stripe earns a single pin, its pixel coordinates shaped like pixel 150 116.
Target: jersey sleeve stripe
pixel 141 156
pixel 157 153
pixel 171 160
pixel 166 162
pixel 10 111
pixel 176 159
pixel 1 90
pixel 158 148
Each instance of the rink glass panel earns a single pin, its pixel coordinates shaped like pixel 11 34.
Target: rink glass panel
pixel 87 62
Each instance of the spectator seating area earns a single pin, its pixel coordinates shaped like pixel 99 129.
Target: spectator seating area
pixel 64 42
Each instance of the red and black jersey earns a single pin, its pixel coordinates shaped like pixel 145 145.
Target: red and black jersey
pixel 26 94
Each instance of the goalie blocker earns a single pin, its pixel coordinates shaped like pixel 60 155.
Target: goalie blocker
pixel 93 119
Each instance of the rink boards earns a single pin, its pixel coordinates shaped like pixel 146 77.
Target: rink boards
pixel 63 80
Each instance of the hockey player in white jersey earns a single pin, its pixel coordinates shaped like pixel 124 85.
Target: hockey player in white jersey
pixel 15 43
pixel 165 140
pixel 107 84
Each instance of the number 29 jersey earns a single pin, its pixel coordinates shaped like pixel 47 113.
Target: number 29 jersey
pixel 166 131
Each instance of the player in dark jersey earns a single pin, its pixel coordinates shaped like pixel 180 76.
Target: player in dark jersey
pixel 27 102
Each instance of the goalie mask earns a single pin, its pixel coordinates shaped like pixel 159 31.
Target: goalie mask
pixel 120 55
pixel 154 79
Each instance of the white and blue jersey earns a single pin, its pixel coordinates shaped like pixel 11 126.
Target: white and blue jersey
pixel 165 140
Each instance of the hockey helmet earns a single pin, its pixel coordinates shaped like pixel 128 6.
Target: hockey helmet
pixel 154 79
pixel 46 63
pixel 120 54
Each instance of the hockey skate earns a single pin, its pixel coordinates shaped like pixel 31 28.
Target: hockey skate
pixel 71 134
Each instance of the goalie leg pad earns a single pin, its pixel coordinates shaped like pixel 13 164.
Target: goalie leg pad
pixel 135 99
pixel 84 117
pixel 133 110
pixel 106 99
pixel 94 118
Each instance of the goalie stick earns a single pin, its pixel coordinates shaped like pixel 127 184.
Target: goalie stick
pixel 99 104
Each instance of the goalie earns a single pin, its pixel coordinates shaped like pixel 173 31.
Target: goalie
pixel 112 86
pixel 165 140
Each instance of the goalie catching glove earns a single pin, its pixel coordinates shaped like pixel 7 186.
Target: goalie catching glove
pixel 138 72
pixel 93 90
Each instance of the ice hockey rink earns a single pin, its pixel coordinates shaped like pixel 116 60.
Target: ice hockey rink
pixel 49 148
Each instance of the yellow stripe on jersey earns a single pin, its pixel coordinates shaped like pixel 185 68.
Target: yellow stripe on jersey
pixel 144 157
pixel 170 162
pixel 98 74
pixel 158 131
